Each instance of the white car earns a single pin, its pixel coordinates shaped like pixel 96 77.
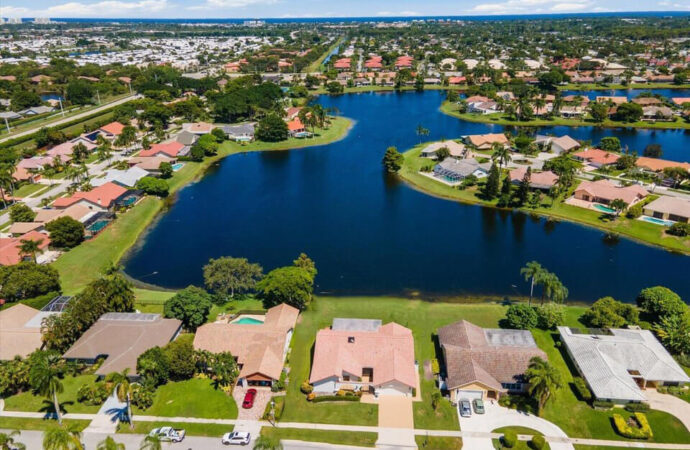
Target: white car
pixel 236 438
pixel 465 408
pixel 168 434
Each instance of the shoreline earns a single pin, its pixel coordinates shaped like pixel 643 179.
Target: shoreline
pixel 414 180
pixel 115 242
pixel 496 119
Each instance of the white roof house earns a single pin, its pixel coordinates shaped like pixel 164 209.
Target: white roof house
pixel 619 366
pixel 125 178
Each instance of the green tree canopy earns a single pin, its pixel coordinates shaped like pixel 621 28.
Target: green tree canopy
pixel 65 232
pixel 291 285
pixel 190 305
pixel 227 275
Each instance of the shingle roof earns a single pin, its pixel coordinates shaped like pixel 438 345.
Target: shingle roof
pixel 487 356
pixel 605 361
pixel 604 189
pixel 15 337
pixel 670 205
pixel 453 147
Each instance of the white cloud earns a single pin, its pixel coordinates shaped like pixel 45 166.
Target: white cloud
pixel 13 11
pixel 230 4
pixel 106 8
pixel 398 13
pixel 529 6
pixel 569 6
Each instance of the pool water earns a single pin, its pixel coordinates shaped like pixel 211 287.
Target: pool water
pixel 96 227
pixel 249 321
pixel 654 220
pixel 177 166
pixel 604 209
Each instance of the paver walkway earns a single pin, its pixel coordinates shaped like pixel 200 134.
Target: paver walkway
pixel 670 404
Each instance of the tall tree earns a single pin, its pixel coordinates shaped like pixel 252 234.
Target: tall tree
pixel 544 379
pixel 533 271
pixel 44 377
pixel 227 275
pixel 492 183
pixel 29 247
pixel 8 441
pixel 421 131
pixel 393 160
pixel 60 438
pixel 501 153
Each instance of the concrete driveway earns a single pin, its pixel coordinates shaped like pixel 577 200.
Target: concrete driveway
pixel 396 422
pixel 498 417
pixel 670 404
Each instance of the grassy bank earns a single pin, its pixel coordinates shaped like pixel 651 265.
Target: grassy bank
pixel 359 439
pixel 438 443
pixel 87 262
pixel 638 230
pixel 316 66
pixel 503 119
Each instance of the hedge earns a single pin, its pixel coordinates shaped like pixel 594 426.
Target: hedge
pixel 279 407
pixel 538 442
pixel 643 432
pixel 510 439
pixel 335 398
pixel 639 407
pixel 601 404
pixel 582 390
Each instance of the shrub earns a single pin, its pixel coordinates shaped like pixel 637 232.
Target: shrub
pixel 278 386
pixel 340 393
pixel 142 396
pixel 521 317
pixel 550 315
pixel 92 394
pixel 634 211
pixel 306 388
pixel 582 390
pixel 279 402
pixel 679 229
pixel 642 431
pixel 510 439
pixel 21 213
pixel 505 401
pixel 601 404
pixel 435 366
pixel 311 397
pixel 538 442
pixel 65 232
pixel 153 186
pixel 333 398
pixel 637 407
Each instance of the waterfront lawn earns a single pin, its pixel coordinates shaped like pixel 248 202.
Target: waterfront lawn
pixel 27 401
pixel 438 442
pixel 191 398
pixel 360 439
pixel 192 428
pixel 23 423
pixel 635 229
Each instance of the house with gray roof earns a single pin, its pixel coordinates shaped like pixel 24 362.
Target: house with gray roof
pixel 453 170
pixel 240 132
pixel 125 178
pixel 620 365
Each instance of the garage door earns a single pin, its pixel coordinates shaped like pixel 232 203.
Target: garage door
pixel 469 395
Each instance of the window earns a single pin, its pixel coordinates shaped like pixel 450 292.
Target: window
pixel 512 386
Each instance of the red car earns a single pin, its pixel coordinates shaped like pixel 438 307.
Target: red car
pixel 249 399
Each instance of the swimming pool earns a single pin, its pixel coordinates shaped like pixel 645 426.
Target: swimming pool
pixel 177 166
pixel 248 321
pixel 604 208
pixel 654 220
pixel 98 226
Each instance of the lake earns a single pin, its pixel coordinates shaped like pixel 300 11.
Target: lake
pixel 369 233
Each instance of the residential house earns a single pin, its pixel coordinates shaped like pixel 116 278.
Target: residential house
pixel 680 101
pixel 111 130
pixel 35 110
pixel 454 170
pixel 647 101
pixel 198 127
pixel 150 164
pixel 557 145
pixel 364 355
pixel 172 149
pixel 121 338
pixel 21 228
pixel 78 211
pixel 102 198
pixel 572 111
pixel 605 192
pixel 669 208
pixel 296 127
pixel 457 150
pixel 10 253
pixel 240 133
pixel 596 157
pixel 619 364
pixel 125 178
pixel 658 165
pixel 485 362
pixel 610 99
pixel 20 331
pixel 260 349
pixel 656 113
pixel 489 107
pixel 486 141
pixel 538 180
pixel 64 151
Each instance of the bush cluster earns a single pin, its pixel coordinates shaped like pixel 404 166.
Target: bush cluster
pixel 642 431
pixel 637 407
pixel 335 398
pixel 582 390
pixel 538 442
pixel 93 394
pixel 510 439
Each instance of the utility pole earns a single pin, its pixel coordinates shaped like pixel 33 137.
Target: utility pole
pixel 7 124
pixel 98 96
pixel 61 108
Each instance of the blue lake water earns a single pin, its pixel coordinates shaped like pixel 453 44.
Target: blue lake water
pixel 369 233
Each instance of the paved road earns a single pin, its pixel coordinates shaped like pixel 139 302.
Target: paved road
pixel 72 118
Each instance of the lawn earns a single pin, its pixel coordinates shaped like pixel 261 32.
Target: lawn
pixel 638 230
pixel 26 401
pixel 438 442
pixel 21 423
pixel 315 66
pixel 360 439
pixel 29 189
pixel 191 398
pixel 192 429
pixel 521 445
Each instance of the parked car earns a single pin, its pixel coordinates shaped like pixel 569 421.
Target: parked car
pixel 168 434
pixel 478 404
pixel 236 438
pixel 249 399
pixel 465 408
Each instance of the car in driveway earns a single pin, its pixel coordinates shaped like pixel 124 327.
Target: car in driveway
pixel 478 404
pixel 465 408
pixel 168 434
pixel 249 397
pixel 236 438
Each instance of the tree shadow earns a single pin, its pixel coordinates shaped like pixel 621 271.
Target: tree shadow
pixel 49 409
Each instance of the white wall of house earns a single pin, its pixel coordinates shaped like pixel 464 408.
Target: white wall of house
pixel 326 386
pixel 393 388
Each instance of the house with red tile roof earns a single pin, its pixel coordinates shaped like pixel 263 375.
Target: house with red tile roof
pixel 538 180
pixel 10 253
pixel 605 192
pixel 486 141
pixel 364 355
pixel 342 64
pixel 596 157
pixel 658 165
pixel 111 130
pixel 680 101
pixel 101 198
pixel 374 63
pixel 295 126
pixel 169 149
pixel 457 80
pixel 485 362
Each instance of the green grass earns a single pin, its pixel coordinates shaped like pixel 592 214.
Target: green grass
pixel 504 119
pixel 638 230
pixel 361 439
pixel 28 189
pixel 521 445
pixel 315 66
pixel 21 423
pixel 192 429
pixel 191 398
pixel 438 442
pixel 26 401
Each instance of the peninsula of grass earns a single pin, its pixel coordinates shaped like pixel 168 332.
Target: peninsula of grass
pixel 500 118
pixel 638 230
pixel 28 402
pixel 191 398
pixel 88 261
pixel 354 438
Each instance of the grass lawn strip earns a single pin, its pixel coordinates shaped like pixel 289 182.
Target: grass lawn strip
pixel 26 401
pixel 190 398
pixel 21 423
pixel 438 442
pixel 521 445
pixel 192 428
pixel 361 439
pixel 637 230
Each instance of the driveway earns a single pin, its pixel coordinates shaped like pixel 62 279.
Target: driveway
pixel 263 396
pixel 396 422
pixel 498 417
pixel 670 404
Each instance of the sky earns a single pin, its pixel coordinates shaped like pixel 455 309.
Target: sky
pixel 209 9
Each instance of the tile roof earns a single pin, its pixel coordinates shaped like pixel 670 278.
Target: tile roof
pixel 170 149
pixel 257 348
pixel 103 196
pixel 9 247
pixel 657 165
pixel 389 351
pixel 670 205
pixel 606 361
pixel 114 128
pixel 541 180
pixel 16 337
pixel 597 156
pixel 486 140
pixel 487 356
pixel 456 149
pixel 149 163
pixel 606 190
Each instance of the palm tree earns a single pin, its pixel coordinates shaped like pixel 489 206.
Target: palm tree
pixel 110 444
pixel 151 443
pixel 44 377
pixel 619 205
pixel 29 247
pixel 532 271
pixel 267 443
pixel 8 442
pixel 123 390
pixel 60 438
pixel 500 153
pixel 421 131
pixel 544 379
